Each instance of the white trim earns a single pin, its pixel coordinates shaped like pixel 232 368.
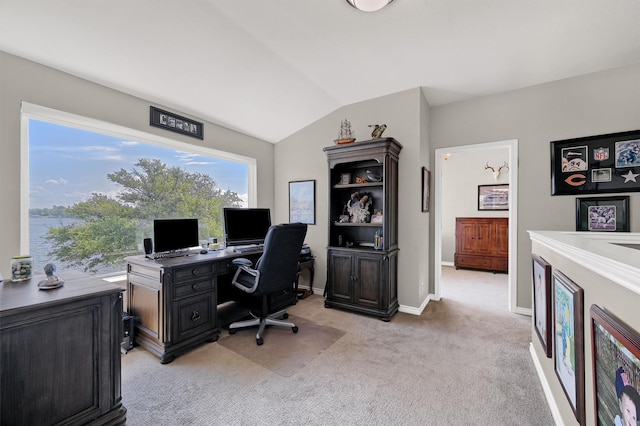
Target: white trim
pixel 512 146
pixel 598 252
pixel 555 410
pixel 33 111
pixel 413 310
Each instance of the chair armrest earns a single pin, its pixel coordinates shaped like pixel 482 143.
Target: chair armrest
pixel 241 261
pixel 246 279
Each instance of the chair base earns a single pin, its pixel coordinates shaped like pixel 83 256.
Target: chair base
pixel 262 323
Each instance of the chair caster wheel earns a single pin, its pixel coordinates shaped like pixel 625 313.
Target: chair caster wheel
pixel 285 315
pixel 232 330
pixel 259 341
pixel 294 329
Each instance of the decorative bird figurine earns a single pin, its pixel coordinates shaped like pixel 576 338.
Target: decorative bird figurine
pixel 378 129
pixel 372 176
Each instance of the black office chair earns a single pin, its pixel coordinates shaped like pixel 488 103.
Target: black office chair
pixel 274 272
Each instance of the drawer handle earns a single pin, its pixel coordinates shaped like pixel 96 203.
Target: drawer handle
pixel 194 272
pixel 195 286
pixel 195 316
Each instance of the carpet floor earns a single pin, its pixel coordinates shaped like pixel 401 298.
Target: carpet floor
pixel 465 360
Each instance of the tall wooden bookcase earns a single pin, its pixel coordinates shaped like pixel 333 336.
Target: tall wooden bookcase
pixel 362 254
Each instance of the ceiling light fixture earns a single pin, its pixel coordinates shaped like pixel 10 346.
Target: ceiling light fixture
pixel 369 5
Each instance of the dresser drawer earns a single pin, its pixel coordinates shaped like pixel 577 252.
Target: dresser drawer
pixel 193 288
pixel 199 270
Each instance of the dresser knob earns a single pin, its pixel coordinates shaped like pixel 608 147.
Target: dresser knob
pixel 194 272
pixel 195 316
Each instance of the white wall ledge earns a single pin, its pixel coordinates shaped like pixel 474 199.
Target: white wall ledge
pixel 607 254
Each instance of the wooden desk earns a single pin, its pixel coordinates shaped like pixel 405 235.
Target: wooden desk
pixel 60 352
pixel 174 300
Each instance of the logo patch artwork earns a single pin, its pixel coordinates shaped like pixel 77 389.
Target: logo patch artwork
pixel 572 180
pixel 601 154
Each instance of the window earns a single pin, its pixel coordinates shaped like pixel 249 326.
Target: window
pixel 92 189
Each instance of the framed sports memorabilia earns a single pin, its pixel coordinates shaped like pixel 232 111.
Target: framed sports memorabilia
pixel 596 164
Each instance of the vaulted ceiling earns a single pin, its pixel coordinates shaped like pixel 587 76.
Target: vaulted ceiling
pixel 268 68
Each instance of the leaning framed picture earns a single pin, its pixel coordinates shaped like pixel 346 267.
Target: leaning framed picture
pixel 493 197
pixel 568 326
pixel 302 201
pixel 616 369
pixel 542 301
pixel 596 164
pixel 426 183
pixel 602 214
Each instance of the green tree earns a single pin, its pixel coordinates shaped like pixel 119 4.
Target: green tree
pixel 111 228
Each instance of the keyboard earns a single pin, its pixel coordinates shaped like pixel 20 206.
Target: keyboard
pixel 170 254
pixel 244 249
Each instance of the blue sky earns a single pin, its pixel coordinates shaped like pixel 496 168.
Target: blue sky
pixel 66 165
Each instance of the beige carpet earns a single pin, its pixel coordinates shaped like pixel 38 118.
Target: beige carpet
pixel 283 351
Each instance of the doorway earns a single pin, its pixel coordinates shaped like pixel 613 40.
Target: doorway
pixel 440 155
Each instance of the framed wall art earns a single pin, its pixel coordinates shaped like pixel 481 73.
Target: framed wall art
pixel 602 214
pixel 176 123
pixel 542 302
pixel 493 197
pixel 596 164
pixel 616 369
pixel 302 201
pixel 426 184
pixel 568 346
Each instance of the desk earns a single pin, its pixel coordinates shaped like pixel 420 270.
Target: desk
pixel 60 352
pixel 174 300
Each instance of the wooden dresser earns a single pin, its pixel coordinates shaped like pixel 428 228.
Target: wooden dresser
pixel 60 352
pixel 482 243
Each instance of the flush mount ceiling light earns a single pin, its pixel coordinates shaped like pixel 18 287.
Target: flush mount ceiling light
pixel 369 5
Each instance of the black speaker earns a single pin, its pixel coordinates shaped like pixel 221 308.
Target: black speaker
pixel 148 246
pixel 127 334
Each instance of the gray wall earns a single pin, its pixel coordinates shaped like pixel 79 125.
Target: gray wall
pixel 593 104
pixel 300 156
pixel 22 80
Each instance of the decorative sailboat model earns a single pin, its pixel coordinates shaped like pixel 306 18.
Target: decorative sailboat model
pixel 346 135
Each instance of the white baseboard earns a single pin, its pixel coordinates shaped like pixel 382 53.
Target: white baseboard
pixel 416 311
pixel 555 412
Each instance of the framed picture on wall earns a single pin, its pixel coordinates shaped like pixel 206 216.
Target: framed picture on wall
pixel 603 214
pixel 493 197
pixel 616 369
pixel 542 302
pixel 302 202
pixel 596 164
pixel 568 346
pixel 426 184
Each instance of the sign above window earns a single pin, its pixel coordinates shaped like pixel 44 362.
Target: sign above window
pixel 176 123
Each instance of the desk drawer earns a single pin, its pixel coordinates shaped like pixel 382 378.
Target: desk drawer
pixel 200 270
pixel 193 316
pixel 192 288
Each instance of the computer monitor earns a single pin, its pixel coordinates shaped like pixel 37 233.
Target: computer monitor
pixel 174 234
pixel 243 226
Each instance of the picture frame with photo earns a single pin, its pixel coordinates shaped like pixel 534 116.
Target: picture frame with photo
pixel 596 164
pixel 568 341
pixel 493 197
pixel 603 214
pixel 541 280
pixel 616 368
pixel 302 201
pixel 175 123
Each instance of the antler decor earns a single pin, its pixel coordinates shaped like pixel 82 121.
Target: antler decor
pixel 496 173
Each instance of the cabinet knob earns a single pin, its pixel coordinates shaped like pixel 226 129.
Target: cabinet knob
pixel 194 272
pixel 195 316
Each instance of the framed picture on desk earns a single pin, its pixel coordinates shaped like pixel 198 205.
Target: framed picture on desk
pixel 302 201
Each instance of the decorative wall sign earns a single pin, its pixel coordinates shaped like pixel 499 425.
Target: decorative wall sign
pixel 616 369
pixel 596 164
pixel 568 347
pixel 542 302
pixel 603 214
pixel 176 123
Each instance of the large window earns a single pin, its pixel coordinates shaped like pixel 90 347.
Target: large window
pixel 94 189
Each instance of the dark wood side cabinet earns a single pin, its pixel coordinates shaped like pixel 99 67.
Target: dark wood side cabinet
pixel 60 353
pixel 360 276
pixel 482 243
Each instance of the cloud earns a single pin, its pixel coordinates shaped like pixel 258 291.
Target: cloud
pixel 59 181
pixel 129 143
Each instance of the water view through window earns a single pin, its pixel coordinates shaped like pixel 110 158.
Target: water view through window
pixel 93 196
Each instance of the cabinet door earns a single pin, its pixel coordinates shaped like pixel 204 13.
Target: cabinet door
pixel 145 303
pixel 484 237
pixel 466 237
pixel 340 276
pixel 368 278
pixel 501 238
